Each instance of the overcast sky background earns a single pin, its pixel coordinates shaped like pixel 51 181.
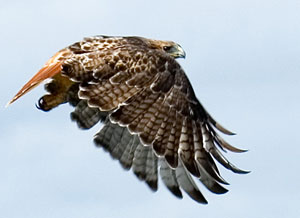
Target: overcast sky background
pixel 243 59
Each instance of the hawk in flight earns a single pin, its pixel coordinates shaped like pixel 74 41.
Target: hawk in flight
pixel 152 121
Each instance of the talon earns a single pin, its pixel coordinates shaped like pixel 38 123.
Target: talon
pixel 41 105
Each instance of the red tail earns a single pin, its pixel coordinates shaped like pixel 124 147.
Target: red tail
pixel 50 69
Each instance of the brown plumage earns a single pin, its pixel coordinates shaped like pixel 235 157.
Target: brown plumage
pixel 152 118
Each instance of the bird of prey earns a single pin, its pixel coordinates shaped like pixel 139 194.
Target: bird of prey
pixel 152 121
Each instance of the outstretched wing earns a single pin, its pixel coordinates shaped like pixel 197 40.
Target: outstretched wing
pixel 131 153
pixel 152 116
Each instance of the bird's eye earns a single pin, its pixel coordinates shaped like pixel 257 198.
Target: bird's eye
pixel 167 48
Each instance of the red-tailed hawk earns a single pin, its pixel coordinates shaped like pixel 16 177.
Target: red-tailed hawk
pixel 153 121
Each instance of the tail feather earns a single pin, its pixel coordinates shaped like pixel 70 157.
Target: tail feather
pixel 51 68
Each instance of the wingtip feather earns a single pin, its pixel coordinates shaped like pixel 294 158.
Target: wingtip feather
pixel 228 146
pixel 219 126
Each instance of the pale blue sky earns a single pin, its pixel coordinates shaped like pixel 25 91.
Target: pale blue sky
pixel 243 59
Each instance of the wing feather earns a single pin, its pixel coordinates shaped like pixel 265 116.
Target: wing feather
pixel 168 177
pixel 187 183
pixel 85 116
pixel 171 154
pixel 127 158
pixel 139 161
pixel 151 169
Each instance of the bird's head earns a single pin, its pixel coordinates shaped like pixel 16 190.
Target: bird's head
pixel 169 47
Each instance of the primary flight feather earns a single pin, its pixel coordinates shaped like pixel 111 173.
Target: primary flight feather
pixel 152 121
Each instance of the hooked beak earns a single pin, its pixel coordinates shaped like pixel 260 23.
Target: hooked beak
pixel 179 52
